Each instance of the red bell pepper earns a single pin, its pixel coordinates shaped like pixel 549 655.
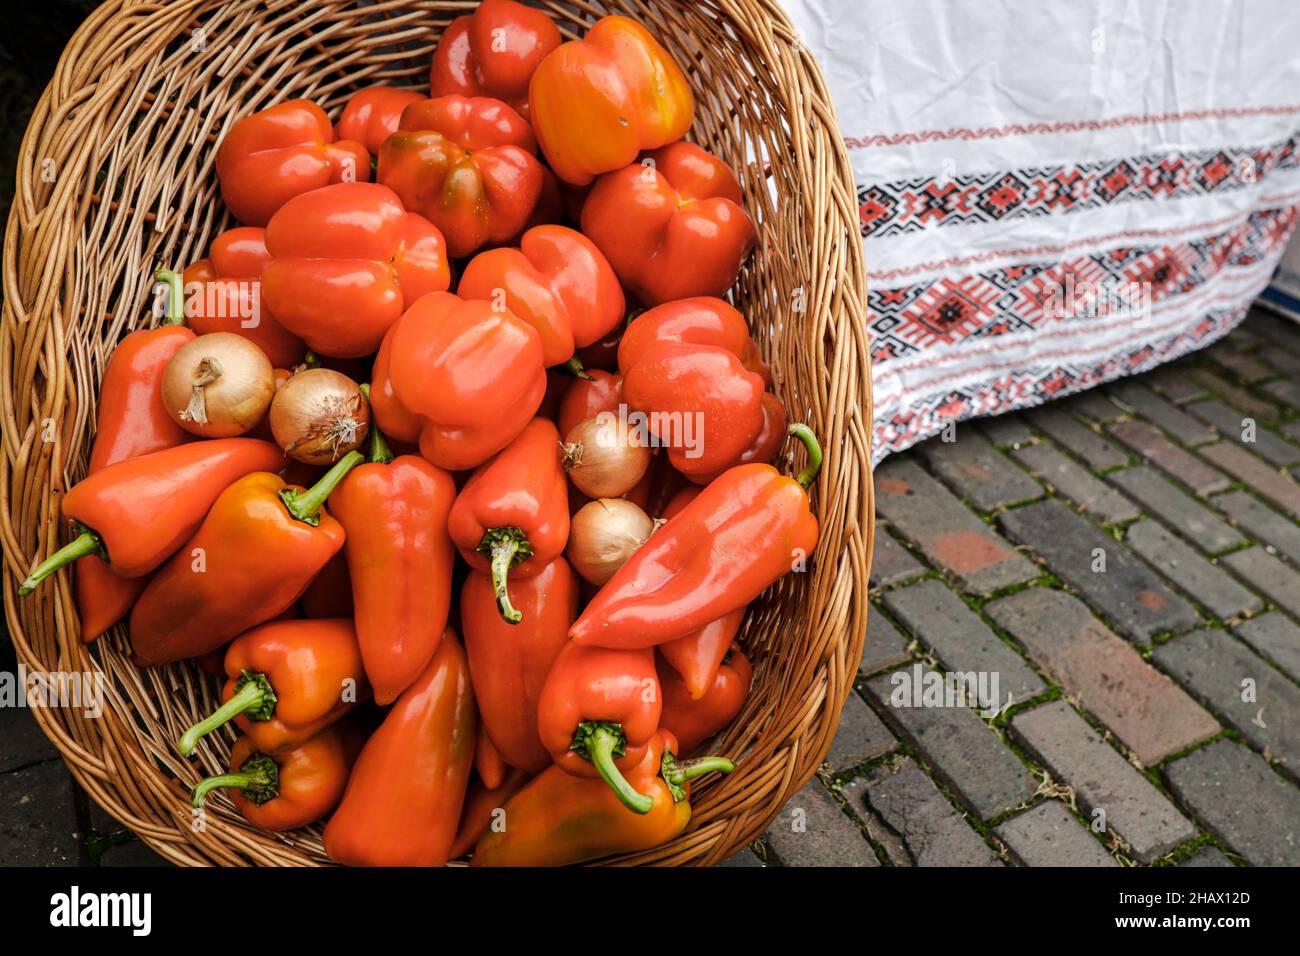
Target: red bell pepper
pixel 224 294
pixel 403 802
pixel 765 444
pixel 280 152
pixel 286 681
pixel 597 712
pixel 347 260
pixel 697 656
pixel 557 282
pixel 462 379
pixel 671 225
pixel 694 718
pixel 372 114
pixel 599 101
pixel 513 515
pixel 400 561
pixel 473 123
pixel 493 52
pixel 748 528
pixel 588 397
pixel 509 663
pixel 701 320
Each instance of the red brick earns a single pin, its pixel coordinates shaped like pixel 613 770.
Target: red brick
pixel 1160 451
pixel 1277 486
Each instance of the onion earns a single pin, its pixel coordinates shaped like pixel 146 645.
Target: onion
pixel 319 415
pixel 218 385
pixel 604 534
pixel 603 457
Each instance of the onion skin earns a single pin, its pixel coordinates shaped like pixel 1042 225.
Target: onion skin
pixel 603 458
pixel 218 386
pixel 319 415
pixel 604 534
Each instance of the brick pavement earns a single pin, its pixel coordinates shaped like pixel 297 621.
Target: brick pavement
pixel 1154 704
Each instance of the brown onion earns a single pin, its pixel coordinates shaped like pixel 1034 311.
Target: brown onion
pixel 319 415
pixel 604 534
pixel 218 386
pixel 604 457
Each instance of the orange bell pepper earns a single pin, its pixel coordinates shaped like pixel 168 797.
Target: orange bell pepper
pixel 280 152
pixel 558 282
pixel 471 122
pixel 371 115
pixel 692 718
pixel 347 260
pixel 509 663
pixel 289 789
pixel 599 101
pixel 597 712
pixel 671 225
pixel 558 820
pixel 135 514
pixel 253 556
pixel 224 294
pixel 458 377
pixel 286 681
pixel 403 802
pixel 493 52
pixel 132 421
pixel 400 560
pixel 697 656
pixel 513 515
pixel 748 528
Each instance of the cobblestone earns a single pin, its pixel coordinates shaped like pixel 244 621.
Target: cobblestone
pixel 1275 636
pixel 861 737
pixel 1261 521
pixel 1211 587
pixel 1235 427
pixel 1048 835
pixel 978 472
pixel 1134 395
pixel 1073 435
pixel 885 645
pixel 1233 394
pixel 1189 517
pixel 1079 485
pixel 1168 457
pixel 891 562
pixel 1279 582
pixel 1006 430
pixel 1276 486
pixel 812 831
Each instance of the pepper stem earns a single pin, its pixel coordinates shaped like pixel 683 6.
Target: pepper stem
pixel 175 296
pixel 690 769
pixel 600 743
pixel 505 547
pixel 306 505
pixel 79 547
pixel 253 696
pixel 805 435
pixel 258 779
pixel 574 365
pixel 380 453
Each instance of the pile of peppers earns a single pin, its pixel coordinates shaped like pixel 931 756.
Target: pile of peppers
pixel 413 649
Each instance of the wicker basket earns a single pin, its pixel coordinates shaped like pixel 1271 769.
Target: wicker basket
pixel 116 178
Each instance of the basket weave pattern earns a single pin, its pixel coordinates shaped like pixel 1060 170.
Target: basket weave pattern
pixel 116 178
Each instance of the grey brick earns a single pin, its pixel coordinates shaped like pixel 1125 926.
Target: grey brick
pixel 1006 430
pixel 1261 521
pixel 891 562
pixel 1048 835
pixel 1207 856
pixel 960 748
pixel 1213 588
pixel 885 645
pixel 1276 330
pixel 1279 582
pixel 1164 500
pixel 1169 458
pixel 745 858
pixel 40 822
pixel 1175 383
pixel 977 472
pixel 1148 712
pixel 1213 666
pixel 1128 592
pixel 861 736
pixel 811 830
pixel 1094 405
pixel 932 832
pixel 942 621
pixel 1276 486
pixel 1275 636
pixel 1235 794
pixel 1245 367
pixel 22 741
pixel 945 530
pixel 1075 754
pixel 1228 422
pixel 1236 395
pixel 1146 403
pixel 1077 437
pixel 134 853
pixel 1285 390
pixel 1075 482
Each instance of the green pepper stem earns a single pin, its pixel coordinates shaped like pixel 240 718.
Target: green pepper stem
pixel 84 544
pixel 503 556
pixel 380 453
pixel 690 769
pixel 574 365
pixel 258 778
pixel 805 435
pixel 601 745
pixel 175 296
pixel 306 505
pixel 255 694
